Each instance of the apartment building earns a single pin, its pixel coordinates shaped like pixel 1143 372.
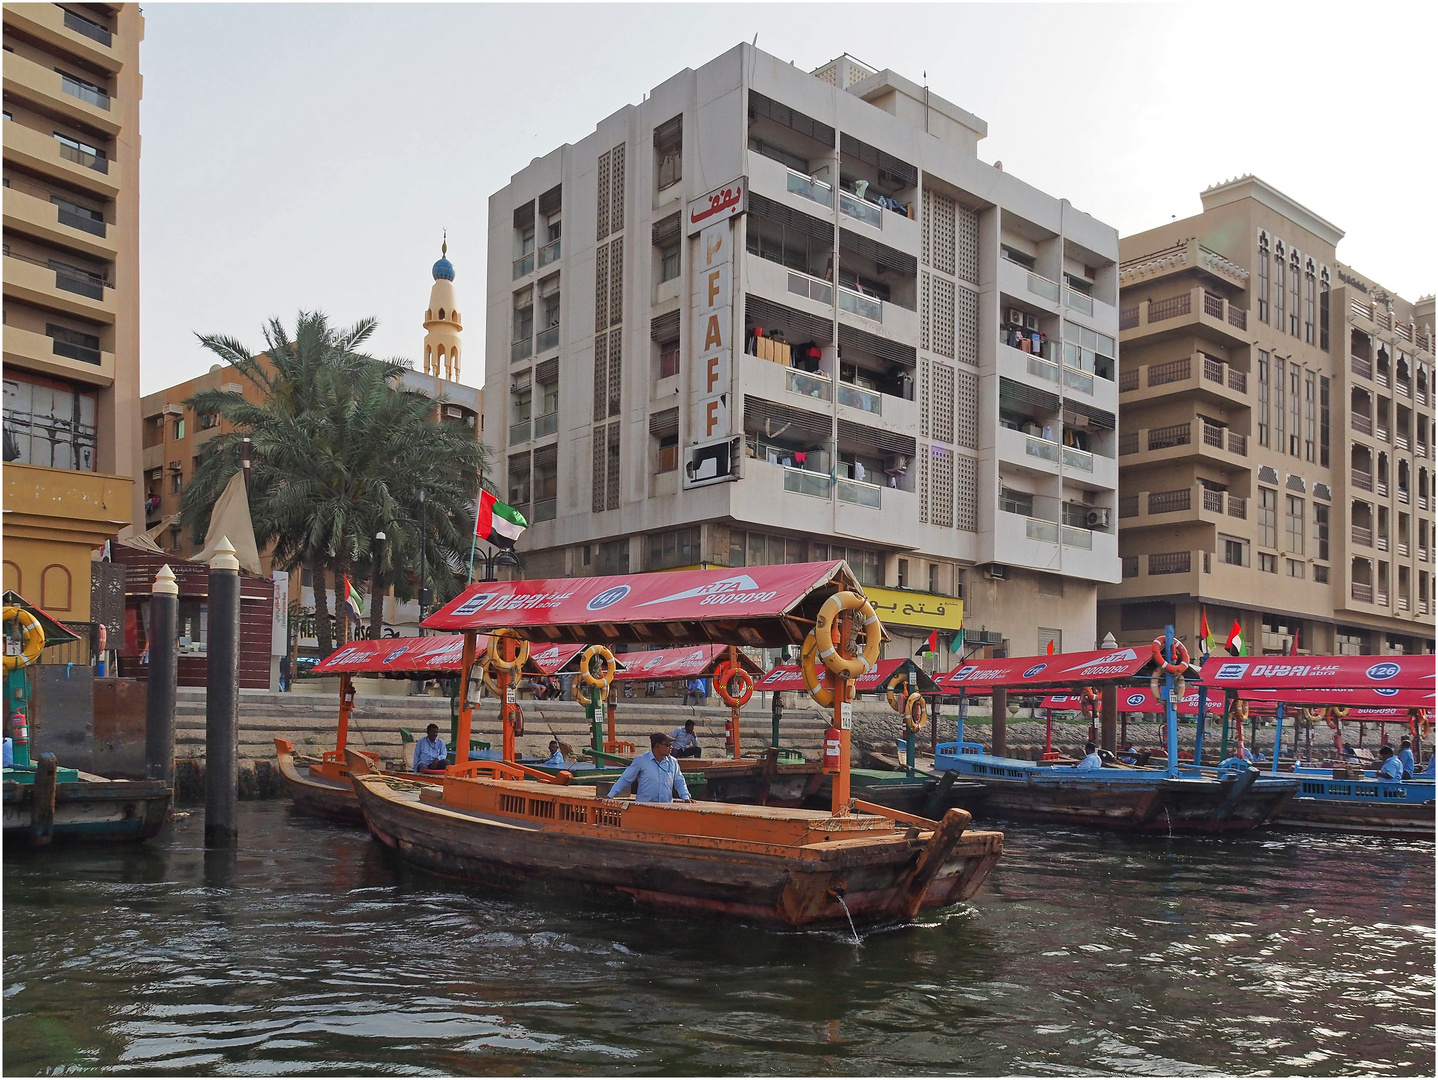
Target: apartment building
pixel 72 293
pixel 770 315
pixel 1277 443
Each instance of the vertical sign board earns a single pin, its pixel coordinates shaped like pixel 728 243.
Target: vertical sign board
pixel 280 617
pixel 712 302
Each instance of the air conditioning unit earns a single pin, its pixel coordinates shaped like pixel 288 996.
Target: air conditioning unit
pixel 896 464
pixel 1031 322
pixel 989 638
pixel 1097 518
pixel 454 411
pixel 174 466
pixel 1014 316
pixel 173 410
pixel 995 572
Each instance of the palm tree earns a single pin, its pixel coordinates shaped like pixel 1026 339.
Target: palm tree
pixel 340 450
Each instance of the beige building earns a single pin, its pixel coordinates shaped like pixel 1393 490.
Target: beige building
pixel 1277 441
pixel 72 293
pixel 770 315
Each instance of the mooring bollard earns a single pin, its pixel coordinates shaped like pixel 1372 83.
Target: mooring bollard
pixel 42 813
pixel 160 701
pixel 222 699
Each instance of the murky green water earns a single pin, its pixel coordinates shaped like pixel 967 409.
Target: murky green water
pixel 313 951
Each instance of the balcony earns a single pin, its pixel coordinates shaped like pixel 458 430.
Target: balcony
pixel 92 30
pixel 1075 458
pixel 1360 592
pixel 1228 444
pixel 1198 373
pixel 855 303
pixel 35 215
pixel 521 350
pixel 1080 302
pixel 45 155
pixel 1198 310
pixel 519 432
pixel 39 352
pixel 546 423
pixel 811 288
pixel 74 33
pixel 859 493
pixel 1170 562
pixel 1195 503
pixel 1362 536
pixel 1360 423
pixel 549 253
pixel 1382 542
pixel 61 94
pixel 1402 549
pixel 803 482
pixel 59 290
pixel 808 385
pixel 546 340
pixel 1403 496
pixel 807 187
pixel 1042 369
pixel 1362 480
pixel 1361 367
pixel 1032 452
pixel 854 397
pixel 860 210
pixel 523 265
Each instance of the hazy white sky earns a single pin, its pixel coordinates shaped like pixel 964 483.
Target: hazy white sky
pixel 307 156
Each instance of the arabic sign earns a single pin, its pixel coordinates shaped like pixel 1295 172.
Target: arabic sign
pixel 1138 699
pixel 1060 669
pixel 721 204
pixel 397 656
pixel 788 677
pixel 752 605
pixel 1311 673
pixel 903 608
pixel 685 663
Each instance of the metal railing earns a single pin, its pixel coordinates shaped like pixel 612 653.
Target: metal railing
pixel 80 221
pixel 1168 502
pixel 1173 371
pixel 1360 366
pixel 81 285
pixel 75 352
pixel 1362 536
pixel 519 432
pixel 1238 380
pixel 1403 548
pixel 859 492
pixel 1237 444
pixel 820 292
pixel 547 339
pixel 1128 506
pixel 803 482
pixel 1128 380
pixel 1041 448
pixel 549 253
pixel 1171 308
pixel 1382 486
pixel 858 304
pixel 1213 501
pixel 1174 435
pixel 1381 598
pixel 1130 565
pixel 808 188
pixel 1361 423
pixel 856 398
pixel 88 94
pixel 1128 443
pixel 1212 305
pixel 520 350
pixel 810 386
pixel 1238 317
pixel 85 158
pixel 1128 318
pixel 1078 301
pixel 92 30
pixel 1075 458
pixel 1237 506
pixel 860 210
pixel 1403 495
pixel 546 423
pixel 1382 543
pixel 1170 562
pixel 1362 479
pixel 1361 592
pixel 1043 369
pixel 1400 441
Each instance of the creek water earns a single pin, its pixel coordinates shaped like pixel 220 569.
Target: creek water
pixel 312 949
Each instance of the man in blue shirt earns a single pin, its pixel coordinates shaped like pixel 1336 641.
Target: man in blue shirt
pixel 655 775
pixel 683 741
pixel 429 752
pixel 555 759
pixel 1392 768
pixel 1405 757
pixel 1091 759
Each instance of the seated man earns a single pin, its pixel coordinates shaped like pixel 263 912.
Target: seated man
pixel 556 757
pixel 430 752
pixel 1391 768
pixel 684 741
pixel 655 775
pixel 1405 757
pixel 1091 760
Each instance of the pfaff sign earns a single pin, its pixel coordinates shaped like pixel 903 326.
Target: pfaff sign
pixel 712 301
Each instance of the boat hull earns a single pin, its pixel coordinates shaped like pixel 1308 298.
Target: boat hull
pixel 676 870
pixel 324 790
pixel 103 810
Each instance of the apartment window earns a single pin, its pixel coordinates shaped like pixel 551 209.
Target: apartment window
pixel 1016 502
pixel 903 573
pixel 668 453
pixel 179 428
pixel 1310 286
pixel 82 153
pixel 73 344
pixel 669 152
pixel 1278 289
pixel 523 325
pixel 934 578
pixel 1263 279
pixel 1262 398
pixel 177 483
pixel 1320 529
pixel 1267 517
pixel 1279 443
pixel 1294 405
pixel 668 359
pixel 1268 564
pixel 669 263
pixel 1295 568
pixel 1323 313
pixel 1294 524
pixel 1235 551
pixel 1310 415
pixel 1323 420
pixel 678 547
pixel 1089 351
pixel 49 423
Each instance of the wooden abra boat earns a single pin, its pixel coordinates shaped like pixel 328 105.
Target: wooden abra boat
pixel 790 867
pixel 72 805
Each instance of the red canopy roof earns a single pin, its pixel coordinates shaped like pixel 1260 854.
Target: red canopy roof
pixel 982 677
pixel 760 605
pixel 1316 677
pixel 1379 697
pixel 1138 699
pixel 398 656
pixel 787 677
pixel 687 662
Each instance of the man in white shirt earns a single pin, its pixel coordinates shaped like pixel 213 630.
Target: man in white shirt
pixel 684 741
pixel 1091 759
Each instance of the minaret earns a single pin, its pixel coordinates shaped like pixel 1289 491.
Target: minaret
pixel 441 321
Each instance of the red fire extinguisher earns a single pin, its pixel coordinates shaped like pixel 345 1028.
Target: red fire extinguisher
pixel 20 733
pixel 729 735
pixel 831 750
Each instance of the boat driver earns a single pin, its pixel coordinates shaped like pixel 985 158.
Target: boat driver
pixel 430 752
pixel 655 775
pixel 1091 759
pixel 1405 757
pixel 1392 768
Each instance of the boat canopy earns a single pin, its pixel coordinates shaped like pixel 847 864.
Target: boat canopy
pixel 788 677
pixel 1138 699
pixel 766 606
pixel 1327 680
pixel 409 657
pixel 690 662
pixel 56 633
pixel 562 660
pixel 1023 673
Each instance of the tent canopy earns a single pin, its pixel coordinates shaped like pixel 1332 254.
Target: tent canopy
pixel 1325 680
pixel 411 657
pixel 1026 673
pixel 788 677
pixel 563 659
pixel 689 662
pixel 757 606
pixel 1138 699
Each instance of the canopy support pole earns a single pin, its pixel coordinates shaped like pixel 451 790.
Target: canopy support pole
pixel 466 707
pixel 506 692
pixel 842 721
pixel 1170 709
pixel 1202 716
pixel 1277 736
pixel 963 715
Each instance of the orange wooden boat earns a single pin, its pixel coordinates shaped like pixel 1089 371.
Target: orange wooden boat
pixel 497 824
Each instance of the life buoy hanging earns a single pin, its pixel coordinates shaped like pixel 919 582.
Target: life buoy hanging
pixel 724 677
pixel 843 666
pixel 494 660
pixel 1175 667
pixel 916 713
pixel 32 638
pixel 586 666
pixel 1088 701
pixel 809 667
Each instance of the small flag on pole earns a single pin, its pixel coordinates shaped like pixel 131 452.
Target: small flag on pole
pixel 930 645
pixel 1205 635
pixel 498 523
pixel 1051 646
pixel 1234 644
pixel 1293 648
pixel 353 600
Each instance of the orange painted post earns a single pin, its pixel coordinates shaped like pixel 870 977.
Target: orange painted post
pixel 506 654
pixel 733 657
pixel 466 708
pixel 347 704
pixel 840 687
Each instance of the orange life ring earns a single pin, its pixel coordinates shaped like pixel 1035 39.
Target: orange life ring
pixel 1177 667
pixel 724 675
pixel 1421 721
pixel 1088 701
pixel 916 711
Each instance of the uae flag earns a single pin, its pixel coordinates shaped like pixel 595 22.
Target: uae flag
pixel 1234 644
pixel 353 600
pixel 1205 636
pixel 930 645
pixel 498 523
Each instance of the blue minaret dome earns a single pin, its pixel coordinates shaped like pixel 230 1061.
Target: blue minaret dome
pixel 444 269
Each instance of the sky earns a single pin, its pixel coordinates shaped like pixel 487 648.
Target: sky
pixel 307 156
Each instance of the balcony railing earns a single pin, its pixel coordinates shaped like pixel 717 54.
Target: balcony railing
pixel 1128 380
pixel 1174 435
pixel 87 94
pixel 1041 448
pixel 547 339
pixel 75 352
pixel 821 292
pixel 520 350
pixel 549 253
pixel 803 482
pixel 1046 531
pixel 1380 377
pixel 860 210
pixel 1381 599
pixel 856 398
pixel 1403 495
pixel 544 509
pixel 1130 565
pixel 1128 318
pixel 1078 380
pixel 1362 480
pixel 1402 602
pixel 1171 308
pixel 810 386
pixel 546 423
pixel 1403 549
pixel 1173 371
pixel 1361 424
pixel 1238 380
pixel 1168 502
pixel 1401 442
pixel 80 284
pixel 91 30
pixel 1362 536
pixel 1380 433
pixel 1078 301
pixel 1043 369
pixel 523 265
pixel 1383 487
pixel 1213 305
pixel 1237 506
pixel 81 221
pixel 1213 370
pixel 1382 543
pixel 84 157
pixel 1079 538
pixel 1170 562
pixel 1360 366
pixel 1404 388
pixel 1238 317
pixel 1042 286
pixel 1128 443
pixel 857 304
pixel 1362 593
pixel 1213 501
pixel 1075 458
pixel 1237 444
pixel 859 493
pixel 519 432
pixel 1128 506
pixel 809 188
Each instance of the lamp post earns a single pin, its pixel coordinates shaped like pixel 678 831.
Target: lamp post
pixel 376 610
pixel 426 597
pixel 496 559
pixel 245 447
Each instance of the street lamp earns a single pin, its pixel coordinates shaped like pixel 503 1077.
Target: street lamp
pixel 245 446
pixel 496 559
pixel 426 597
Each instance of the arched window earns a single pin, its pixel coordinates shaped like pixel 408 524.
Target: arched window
pixel 429 315
pixel 441 313
pixel 55 588
pixel 454 315
pixel 13 578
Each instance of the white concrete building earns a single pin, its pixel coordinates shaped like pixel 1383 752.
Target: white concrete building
pixel 672 377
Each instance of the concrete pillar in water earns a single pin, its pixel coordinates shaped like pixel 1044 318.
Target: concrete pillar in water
pixel 222 699
pixel 1108 717
pixel 1000 722
pixel 160 700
